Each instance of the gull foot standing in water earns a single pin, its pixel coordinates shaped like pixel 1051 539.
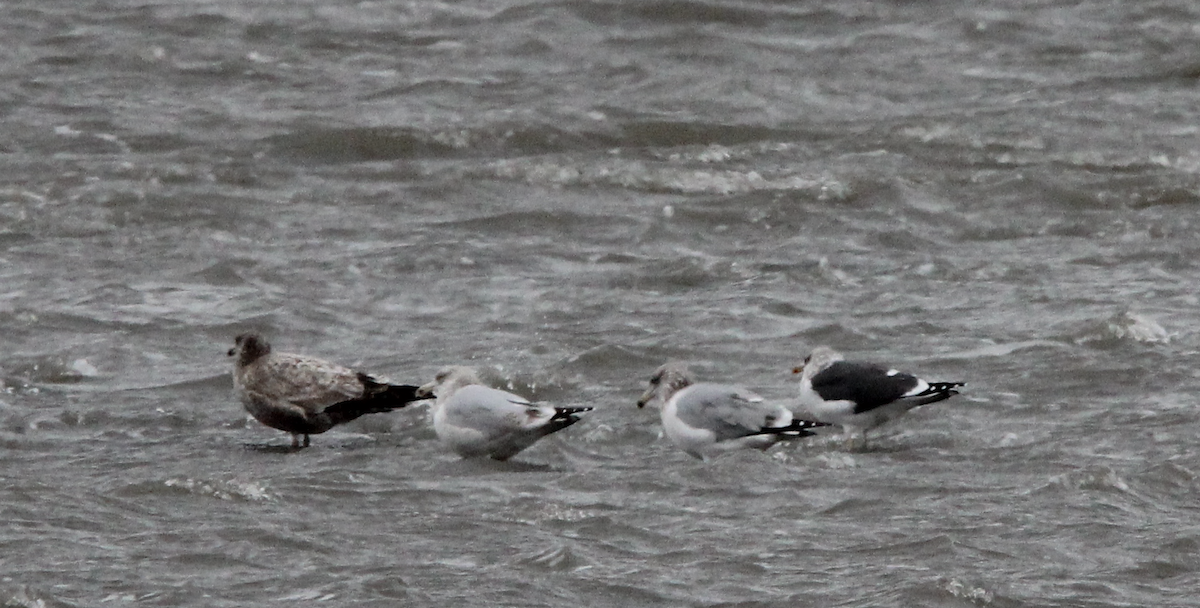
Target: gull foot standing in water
pixel 475 420
pixel 860 396
pixel 305 395
pixel 705 419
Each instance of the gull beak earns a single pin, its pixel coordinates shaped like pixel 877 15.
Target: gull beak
pixel 799 369
pixel 232 352
pixel 646 397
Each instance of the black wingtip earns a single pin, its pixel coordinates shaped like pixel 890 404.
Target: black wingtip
pixel 406 392
pixel 393 396
pixel 937 391
pixel 941 388
pixel 797 429
pixel 564 413
pixel 378 398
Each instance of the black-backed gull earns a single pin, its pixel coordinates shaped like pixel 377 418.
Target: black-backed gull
pixel 860 396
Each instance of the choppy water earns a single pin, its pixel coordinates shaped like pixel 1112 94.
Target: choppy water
pixel 568 193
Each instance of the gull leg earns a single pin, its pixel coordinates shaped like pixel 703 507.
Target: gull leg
pixel 856 441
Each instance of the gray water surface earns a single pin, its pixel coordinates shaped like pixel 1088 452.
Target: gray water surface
pixel 566 194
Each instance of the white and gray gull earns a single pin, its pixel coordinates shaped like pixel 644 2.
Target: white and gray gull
pixel 860 396
pixel 306 395
pixel 476 420
pixel 705 419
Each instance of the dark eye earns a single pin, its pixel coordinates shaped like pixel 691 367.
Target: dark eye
pixel 807 359
pixel 656 379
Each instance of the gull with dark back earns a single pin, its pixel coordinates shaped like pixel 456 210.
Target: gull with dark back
pixel 860 396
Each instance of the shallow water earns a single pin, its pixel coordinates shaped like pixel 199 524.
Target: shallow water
pixel 567 194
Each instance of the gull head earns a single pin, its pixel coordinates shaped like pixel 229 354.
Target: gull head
pixel 448 380
pixel 820 358
pixel 248 348
pixel 666 381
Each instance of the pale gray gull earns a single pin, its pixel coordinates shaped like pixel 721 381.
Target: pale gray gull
pixel 860 396
pixel 705 419
pixel 305 395
pixel 476 420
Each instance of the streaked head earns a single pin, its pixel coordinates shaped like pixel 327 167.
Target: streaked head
pixel 448 380
pixel 820 358
pixel 248 347
pixel 666 381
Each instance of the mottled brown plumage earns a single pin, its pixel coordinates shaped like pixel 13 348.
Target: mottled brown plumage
pixel 306 395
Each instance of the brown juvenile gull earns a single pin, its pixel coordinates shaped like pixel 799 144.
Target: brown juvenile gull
pixel 705 419
pixel 305 395
pixel 476 420
pixel 860 396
